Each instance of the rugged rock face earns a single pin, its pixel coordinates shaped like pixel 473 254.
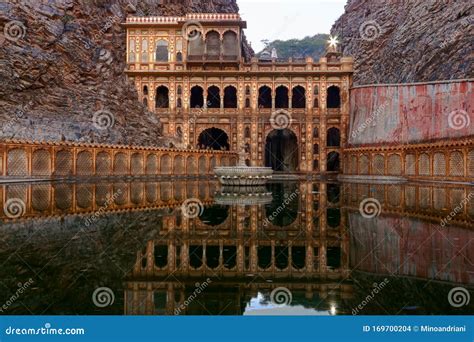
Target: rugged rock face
pixel 61 70
pixel 408 41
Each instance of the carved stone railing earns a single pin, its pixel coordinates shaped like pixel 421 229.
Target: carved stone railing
pixel 32 160
pixel 447 160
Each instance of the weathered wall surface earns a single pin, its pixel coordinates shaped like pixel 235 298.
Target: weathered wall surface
pixel 409 113
pixel 409 247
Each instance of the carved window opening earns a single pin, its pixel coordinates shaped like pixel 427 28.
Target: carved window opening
pixel 230 97
pixel 144 51
pixel 333 137
pixel 298 99
pixel 213 97
pixel 247 103
pixel 131 54
pixel 247 132
pixel 161 52
pixel 230 45
pixel 162 97
pixel 333 97
pixel 333 162
pixel 281 97
pixel 264 97
pixel 195 45
pixel 197 97
pixel 213 45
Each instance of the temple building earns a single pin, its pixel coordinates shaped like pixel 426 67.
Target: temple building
pixel 291 115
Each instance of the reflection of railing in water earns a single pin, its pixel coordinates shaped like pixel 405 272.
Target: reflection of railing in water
pixel 323 258
pixel 407 237
pixel 59 199
pixel 423 201
pixel 61 160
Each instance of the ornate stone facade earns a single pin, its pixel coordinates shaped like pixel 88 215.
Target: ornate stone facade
pixel 291 115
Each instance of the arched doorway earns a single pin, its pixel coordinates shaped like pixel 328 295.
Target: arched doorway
pixel 214 138
pixel 281 150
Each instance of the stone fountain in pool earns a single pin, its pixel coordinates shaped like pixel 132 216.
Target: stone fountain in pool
pixel 243 175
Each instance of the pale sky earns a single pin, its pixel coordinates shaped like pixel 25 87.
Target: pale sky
pixel 286 19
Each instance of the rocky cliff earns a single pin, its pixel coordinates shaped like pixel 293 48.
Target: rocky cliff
pixel 61 69
pixel 408 41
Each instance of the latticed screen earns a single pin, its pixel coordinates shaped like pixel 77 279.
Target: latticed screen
pixel 410 164
pixel 395 195
pixel 151 192
pixel 120 164
pixel 63 196
pixel 151 164
pixel 410 197
pixel 353 165
pixel 394 164
pixel 40 197
pixel 439 164
pixel 121 193
pixel 137 164
pixel 165 164
pixel 178 165
pixel 41 163
pixel 456 196
pixel 137 192
pixel 191 166
pixel 103 164
pixel 456 164
pixel 378 193
pixel 102 193
pixel 84 163
pixel 424 197
pixel 470 166
pixel 439 198
pixel 424 165
pixel 363 165
pixel 17 162
pixel 84 196
pixel 16 192
pixel 378 164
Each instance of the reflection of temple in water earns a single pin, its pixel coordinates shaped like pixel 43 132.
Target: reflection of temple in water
pixel 242 252
pixel 315 243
